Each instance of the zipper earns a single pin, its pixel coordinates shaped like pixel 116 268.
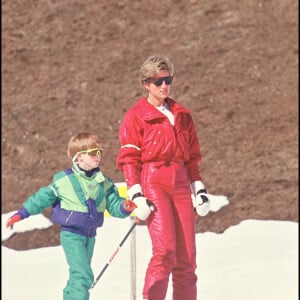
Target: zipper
pixel 69 216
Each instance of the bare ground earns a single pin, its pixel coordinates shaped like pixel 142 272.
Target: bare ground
pixel 69 66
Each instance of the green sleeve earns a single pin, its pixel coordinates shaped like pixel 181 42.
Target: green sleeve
pixel 114 202
pixel 40 200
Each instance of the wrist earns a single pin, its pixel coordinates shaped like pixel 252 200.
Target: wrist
pixel 23 212
pixel 197 186
pixel 128 206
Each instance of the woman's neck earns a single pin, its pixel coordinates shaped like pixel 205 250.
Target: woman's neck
pixel 155 101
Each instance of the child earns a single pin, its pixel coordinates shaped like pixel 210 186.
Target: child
pixel 79 197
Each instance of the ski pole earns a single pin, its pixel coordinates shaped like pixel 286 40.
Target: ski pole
pixel 115 253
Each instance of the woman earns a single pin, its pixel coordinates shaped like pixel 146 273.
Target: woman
pixel 159 157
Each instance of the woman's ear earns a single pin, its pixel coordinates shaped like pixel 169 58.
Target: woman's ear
pixel 145 86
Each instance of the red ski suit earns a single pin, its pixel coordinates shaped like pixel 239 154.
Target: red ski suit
pixel 164 160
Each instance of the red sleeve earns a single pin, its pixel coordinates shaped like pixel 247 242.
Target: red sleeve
pixel 129 157
pixel 194 154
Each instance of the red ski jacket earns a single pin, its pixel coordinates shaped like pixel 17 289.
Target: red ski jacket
pixel 146 135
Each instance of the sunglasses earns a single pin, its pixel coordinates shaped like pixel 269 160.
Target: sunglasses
pixel 158 81
pixel 93 152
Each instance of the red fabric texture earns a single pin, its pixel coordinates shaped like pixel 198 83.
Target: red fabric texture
pixel 146 135
pixel 172 230
pixel 164 160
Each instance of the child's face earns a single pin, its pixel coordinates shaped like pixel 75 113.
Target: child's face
pixel 89 160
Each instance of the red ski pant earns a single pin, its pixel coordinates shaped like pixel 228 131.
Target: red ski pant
pixel 172 231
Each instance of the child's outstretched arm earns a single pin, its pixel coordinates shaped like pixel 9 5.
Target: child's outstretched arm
pixel 35 204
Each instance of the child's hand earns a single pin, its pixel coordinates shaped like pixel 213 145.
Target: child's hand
pixel 129 205
pixel 13 219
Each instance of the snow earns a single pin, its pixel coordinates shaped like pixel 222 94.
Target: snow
pixel 255 259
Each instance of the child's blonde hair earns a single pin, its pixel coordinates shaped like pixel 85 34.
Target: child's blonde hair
pixel 82 141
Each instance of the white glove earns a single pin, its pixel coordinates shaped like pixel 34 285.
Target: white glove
pixel 201 204
pixel 201 201
pixel 144 206
pixel 143 209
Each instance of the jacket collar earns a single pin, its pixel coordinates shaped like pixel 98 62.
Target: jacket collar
pixel 97 174
pixel 150 112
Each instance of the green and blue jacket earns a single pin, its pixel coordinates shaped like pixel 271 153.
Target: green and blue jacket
pixel 78 201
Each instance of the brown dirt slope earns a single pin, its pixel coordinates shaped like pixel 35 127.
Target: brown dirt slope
pixel 69 66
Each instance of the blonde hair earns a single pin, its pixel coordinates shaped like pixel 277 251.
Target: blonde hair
pixel 82 141
pixel 153 65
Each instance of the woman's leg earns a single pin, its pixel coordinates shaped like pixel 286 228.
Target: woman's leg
pixel 183 274
pixel 162 233
pixel 157 187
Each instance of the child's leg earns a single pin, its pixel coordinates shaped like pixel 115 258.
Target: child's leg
pixel 78 251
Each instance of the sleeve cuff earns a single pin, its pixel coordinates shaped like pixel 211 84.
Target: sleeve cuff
pixel 124 211
pixel 23 212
